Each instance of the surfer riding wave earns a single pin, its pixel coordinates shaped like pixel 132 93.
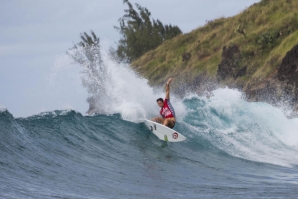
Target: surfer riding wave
pixel 167 111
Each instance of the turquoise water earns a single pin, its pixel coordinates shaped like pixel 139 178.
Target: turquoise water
pixel 235 149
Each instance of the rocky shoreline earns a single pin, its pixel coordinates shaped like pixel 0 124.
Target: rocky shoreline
pixel 279 88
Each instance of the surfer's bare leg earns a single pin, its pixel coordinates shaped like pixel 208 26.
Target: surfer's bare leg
pixel 169 123
pixel 158 120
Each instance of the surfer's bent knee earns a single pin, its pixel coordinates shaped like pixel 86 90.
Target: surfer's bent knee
pixel 170 122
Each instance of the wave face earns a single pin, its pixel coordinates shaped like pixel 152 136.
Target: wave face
pixel 235 149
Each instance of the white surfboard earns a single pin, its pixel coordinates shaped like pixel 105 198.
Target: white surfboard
pixel 164 133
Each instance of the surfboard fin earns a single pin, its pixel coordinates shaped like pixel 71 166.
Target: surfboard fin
pixel 166 138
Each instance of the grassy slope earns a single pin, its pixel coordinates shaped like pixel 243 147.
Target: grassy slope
pixel 278 17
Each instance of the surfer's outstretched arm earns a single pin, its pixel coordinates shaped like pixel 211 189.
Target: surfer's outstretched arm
pixel 168 88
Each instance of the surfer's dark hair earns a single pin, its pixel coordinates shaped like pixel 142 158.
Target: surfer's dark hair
pixel 159 99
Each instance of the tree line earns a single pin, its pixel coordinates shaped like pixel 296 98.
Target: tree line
pixel 139 33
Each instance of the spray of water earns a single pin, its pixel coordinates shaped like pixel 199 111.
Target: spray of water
pixel 253 131
pixel 115 88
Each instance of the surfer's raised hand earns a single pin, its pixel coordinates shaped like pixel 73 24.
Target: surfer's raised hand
pixel 168 88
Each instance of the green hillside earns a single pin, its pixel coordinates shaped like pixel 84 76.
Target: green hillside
pixel 264 33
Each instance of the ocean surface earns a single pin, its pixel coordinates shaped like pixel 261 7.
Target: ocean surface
pixel 234 149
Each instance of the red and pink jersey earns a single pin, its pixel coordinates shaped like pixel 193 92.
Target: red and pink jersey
pixel 167 111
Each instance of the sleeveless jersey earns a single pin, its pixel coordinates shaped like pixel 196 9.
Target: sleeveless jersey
pixel 167 111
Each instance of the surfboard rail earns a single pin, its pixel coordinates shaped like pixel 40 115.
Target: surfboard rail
pixel 164 133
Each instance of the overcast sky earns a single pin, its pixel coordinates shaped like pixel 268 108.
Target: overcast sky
pixel 34 35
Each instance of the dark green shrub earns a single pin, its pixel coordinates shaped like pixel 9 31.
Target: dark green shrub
pixel 267 40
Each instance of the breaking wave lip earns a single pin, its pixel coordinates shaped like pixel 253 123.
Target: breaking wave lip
pixel 250 130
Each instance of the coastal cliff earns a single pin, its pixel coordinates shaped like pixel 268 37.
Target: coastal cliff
pixel 255 51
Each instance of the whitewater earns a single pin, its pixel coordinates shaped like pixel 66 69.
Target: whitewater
pixel 235 148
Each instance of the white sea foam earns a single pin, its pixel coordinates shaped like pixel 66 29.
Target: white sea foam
pixel 253 131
